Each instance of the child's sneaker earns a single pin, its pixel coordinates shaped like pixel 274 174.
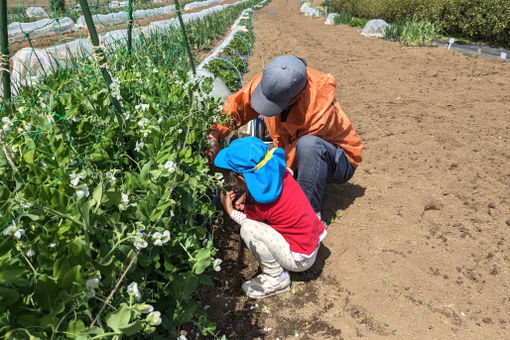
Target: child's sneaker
pixel 264 285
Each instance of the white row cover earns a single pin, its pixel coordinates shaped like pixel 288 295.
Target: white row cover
pixel 117 18
pixel 29 64
pixel 199 4
pixel 375 28
pixel 310 11
pixel 36 12
pixel 41 28
pixel 330 20
pixel 118 4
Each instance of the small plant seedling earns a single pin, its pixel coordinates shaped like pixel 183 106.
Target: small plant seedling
pixel 431 326
pixel 429 303
pixel 265 309
pixel 386 281
pixel 338 215
pixel 390 185
pixel 394 331
pixel 386 324
pixel 346 279
pixel 371 316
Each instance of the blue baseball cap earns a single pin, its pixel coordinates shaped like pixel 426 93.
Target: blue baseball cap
pixel 262 170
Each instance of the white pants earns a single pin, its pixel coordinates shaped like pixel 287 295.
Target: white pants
pixel 271 250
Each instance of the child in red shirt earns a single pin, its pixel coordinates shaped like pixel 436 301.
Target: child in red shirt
pixel 278 225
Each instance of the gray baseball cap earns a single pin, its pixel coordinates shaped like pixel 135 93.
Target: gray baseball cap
pixel 283 79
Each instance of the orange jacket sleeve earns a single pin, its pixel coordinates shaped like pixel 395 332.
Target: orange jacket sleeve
pixel 238 107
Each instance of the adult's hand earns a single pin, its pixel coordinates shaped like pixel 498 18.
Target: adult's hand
pixel 214 144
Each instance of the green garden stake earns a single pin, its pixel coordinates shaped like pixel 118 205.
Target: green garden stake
pixel 99 55
pixel 130 28
pixel 4 41
pixel 190 56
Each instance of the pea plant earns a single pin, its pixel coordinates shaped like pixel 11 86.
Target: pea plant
pixel 85 189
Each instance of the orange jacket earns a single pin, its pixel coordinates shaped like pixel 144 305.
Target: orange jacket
pixel 316 112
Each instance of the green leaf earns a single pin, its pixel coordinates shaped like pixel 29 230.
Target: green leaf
pixel 46 292
pixel 74 328
pixel 132 328
pixel 97 195
pixel 12 274
pixel 72 281
pixel 205 280
pixel 29 156
pixel 202 260
pixel 8 297
pixel 119 318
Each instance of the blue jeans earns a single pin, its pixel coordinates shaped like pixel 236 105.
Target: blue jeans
pixel 320 162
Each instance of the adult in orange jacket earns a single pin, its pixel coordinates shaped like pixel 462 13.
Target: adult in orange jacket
pixel 303 117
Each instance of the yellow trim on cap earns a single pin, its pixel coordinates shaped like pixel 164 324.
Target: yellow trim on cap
pixel 264 161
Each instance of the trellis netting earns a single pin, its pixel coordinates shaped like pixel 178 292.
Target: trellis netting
pixel 107 228
pixel 30 64
pixel 194 5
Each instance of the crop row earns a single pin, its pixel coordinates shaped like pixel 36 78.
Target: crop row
pixel 107 222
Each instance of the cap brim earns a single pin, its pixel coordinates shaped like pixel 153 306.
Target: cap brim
pixel 264 106
pixel 220 161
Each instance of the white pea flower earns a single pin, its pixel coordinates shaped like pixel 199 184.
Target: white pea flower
pixel 160 239
pixel 179 131
pixel 205 241
pixel 115 88
pixel 170 166
pixel 132 289
pixel 92 283
pixel 125 201
pixel 52 245
pixel 216 265
pixel 154 318
pixel 145 308
pixel 110 175
pixel 43 164
pixel 146 133
pixel 90 293
pixel 138 240
pixel 30 253
pixel 26 205
pixel 74 179
pixel 50 118
pixel 141 106
pixel 139 146
pixel 160 120
pixel 142 122
pixel 7 123
pixel 155 70
pixel 182 337
pixel 14 231
pixel 82 191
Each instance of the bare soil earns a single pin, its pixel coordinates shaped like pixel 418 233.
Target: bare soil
pixel 419 241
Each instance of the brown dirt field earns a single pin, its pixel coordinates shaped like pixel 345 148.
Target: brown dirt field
pixel 420 246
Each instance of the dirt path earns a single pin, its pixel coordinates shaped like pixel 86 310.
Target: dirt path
pixel 421 245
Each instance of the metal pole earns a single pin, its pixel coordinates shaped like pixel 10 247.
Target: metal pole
pixel 130 28
pixel 4 42
pixel 190 56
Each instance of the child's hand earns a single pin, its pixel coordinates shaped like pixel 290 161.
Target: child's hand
pixel 239 203
pixel 226 201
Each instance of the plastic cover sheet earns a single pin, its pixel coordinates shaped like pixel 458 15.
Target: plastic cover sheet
pixel 36 12
pixel 30 64
pixel 198 4
pixel 41 28
pixel 330 20
pixel 375 28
